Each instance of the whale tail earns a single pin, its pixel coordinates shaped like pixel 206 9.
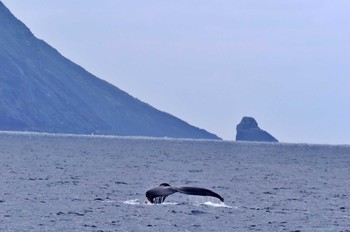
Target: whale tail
pixel 165 184
pixel 159 194
pixel 199 192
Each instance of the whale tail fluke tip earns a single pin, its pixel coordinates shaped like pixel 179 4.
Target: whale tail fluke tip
pixel 165 184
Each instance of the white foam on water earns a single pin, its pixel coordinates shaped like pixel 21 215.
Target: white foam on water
pixel 170 203
pixel 138 202
pixel 207 201
pixel 133 202
pixel 212 204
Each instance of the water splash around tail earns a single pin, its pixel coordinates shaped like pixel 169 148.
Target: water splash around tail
pixel 193 200
pixel 207 201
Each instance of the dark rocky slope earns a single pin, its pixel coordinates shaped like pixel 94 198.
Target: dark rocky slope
pixel 40 90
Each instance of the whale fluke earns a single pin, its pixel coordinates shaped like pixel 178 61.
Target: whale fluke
pixel 158 194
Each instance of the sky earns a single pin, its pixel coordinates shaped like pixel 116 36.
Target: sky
pixel 285 63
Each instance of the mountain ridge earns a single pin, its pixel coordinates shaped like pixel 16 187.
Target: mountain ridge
pixel 43 91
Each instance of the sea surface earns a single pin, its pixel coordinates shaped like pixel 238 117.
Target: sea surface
pixel 98 183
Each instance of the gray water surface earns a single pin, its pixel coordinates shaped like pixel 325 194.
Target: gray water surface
pixel 90 183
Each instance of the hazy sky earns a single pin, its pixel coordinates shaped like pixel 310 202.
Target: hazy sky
pixel 286 63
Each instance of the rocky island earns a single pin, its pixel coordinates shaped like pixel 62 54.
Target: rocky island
pixel 248 130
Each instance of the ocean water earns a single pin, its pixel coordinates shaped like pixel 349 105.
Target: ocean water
pixel 95 183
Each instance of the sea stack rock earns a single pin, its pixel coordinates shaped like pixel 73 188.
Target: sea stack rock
pixel 248 130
